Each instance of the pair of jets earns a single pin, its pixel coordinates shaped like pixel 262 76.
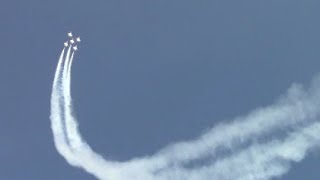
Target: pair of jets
pixel 72 41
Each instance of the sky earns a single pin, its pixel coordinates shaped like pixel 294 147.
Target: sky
pixel 147 73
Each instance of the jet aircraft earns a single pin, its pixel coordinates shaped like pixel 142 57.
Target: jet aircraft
pixel 73 41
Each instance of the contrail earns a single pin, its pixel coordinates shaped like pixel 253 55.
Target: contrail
pixel 260 145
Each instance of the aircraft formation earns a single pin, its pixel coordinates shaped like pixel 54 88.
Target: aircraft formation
pixel 72 41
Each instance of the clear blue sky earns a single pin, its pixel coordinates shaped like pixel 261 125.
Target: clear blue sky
pixel 160 71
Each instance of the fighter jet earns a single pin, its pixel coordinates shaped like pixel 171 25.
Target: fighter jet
pixel 78 39
pixel 75 48
pixel 66 44
pixel 70 34
pixel 72 41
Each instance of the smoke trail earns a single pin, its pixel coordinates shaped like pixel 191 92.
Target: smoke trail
pixel 298 107
pixel 260 145
pixel 71 124
pixel 86 158
pixel 259 161
pixel 56 114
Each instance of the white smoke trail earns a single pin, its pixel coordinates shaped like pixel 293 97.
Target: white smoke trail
pixel 259 161
pixel 87 159
pixel 293 117
pixel 297 107
pixel 71 124
pixel 56 114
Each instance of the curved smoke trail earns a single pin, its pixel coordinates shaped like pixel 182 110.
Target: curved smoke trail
pixel 261 145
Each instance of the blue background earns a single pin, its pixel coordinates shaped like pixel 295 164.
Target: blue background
pixel 147 73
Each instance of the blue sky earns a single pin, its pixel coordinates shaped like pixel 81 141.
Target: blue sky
pixel 148 73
